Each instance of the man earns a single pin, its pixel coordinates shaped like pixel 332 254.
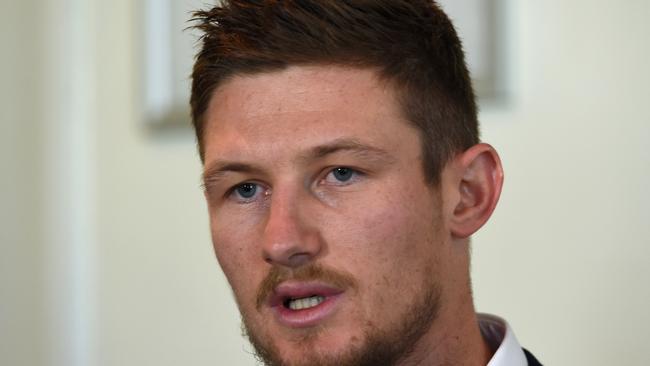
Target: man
pixel 344 176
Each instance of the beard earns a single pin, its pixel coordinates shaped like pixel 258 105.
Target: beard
pixel 380 347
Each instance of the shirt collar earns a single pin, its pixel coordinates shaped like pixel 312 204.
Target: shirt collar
pixel 500 337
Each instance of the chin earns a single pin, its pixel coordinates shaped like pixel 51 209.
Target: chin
pixel 314 346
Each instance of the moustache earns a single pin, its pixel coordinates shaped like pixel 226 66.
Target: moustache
pixel 336 278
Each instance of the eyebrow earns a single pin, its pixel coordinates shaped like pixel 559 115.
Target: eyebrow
pixel 221 168
pixel 346 145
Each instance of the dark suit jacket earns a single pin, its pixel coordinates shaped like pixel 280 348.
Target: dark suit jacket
pixel 532 361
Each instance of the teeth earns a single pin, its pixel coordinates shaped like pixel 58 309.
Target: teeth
pixel 305 303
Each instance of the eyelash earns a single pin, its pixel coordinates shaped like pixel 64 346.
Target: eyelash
pixel 261 189
pixel 233 194
pixel 356 175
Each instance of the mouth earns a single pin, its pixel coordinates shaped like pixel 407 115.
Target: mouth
pixel 302 305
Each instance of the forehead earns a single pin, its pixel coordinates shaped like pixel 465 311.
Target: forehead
pixel 307 86
pixel 302 106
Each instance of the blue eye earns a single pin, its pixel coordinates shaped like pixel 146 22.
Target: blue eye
pixel 342 174
pixel 246 190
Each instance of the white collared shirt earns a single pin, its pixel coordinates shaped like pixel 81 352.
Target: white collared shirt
pixel 500 337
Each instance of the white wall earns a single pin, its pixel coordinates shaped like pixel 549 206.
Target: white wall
pixel 21 282
pixel 565 258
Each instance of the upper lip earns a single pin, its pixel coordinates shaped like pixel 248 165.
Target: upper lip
pixel 294 290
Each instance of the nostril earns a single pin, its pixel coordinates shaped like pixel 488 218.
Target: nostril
pixel 299 259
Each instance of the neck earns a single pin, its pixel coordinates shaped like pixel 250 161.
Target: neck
pixel 458 342
pixel 455 337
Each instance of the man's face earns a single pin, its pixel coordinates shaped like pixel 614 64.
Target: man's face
pixel 321 218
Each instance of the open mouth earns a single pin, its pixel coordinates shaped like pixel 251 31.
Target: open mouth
pixel 299 305
pixel 303 303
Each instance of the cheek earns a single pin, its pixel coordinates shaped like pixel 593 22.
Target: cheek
pixel 399 228
pixel 229 255
pixel 233 245
pixel 390 242
pixel 234 232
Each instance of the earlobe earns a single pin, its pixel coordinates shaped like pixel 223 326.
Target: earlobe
pixel 479 189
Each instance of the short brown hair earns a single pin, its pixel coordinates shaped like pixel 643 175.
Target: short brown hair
pixel 411 43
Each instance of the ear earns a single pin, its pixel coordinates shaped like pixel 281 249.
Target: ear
pixel 479 188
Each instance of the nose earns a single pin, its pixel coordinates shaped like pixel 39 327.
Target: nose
pixel 289 239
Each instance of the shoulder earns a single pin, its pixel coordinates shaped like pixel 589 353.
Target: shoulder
pixel 532 361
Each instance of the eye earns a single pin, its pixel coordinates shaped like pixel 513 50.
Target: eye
pixel 341 176
pixel 246 192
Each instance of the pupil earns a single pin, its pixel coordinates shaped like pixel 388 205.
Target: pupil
pixel 342 174
pixel 247 190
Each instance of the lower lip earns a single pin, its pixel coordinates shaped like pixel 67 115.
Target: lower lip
pixel 307 317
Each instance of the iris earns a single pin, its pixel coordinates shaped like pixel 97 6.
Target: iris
pixel 247 190
pixel 343 174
